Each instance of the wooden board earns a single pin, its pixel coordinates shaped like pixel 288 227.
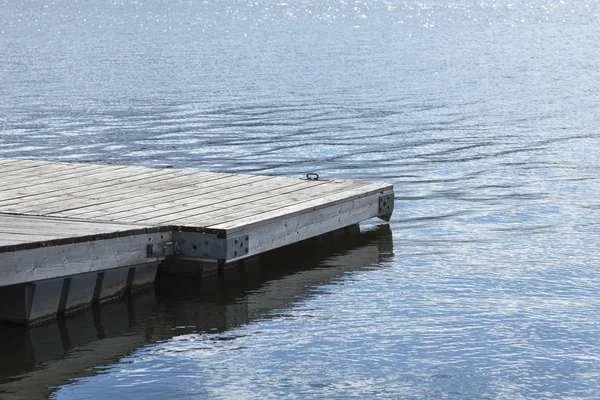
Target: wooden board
pixel 117 191
pixel 67 259
pixel 33 231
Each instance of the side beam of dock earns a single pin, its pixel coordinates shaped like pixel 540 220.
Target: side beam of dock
pixel 76 234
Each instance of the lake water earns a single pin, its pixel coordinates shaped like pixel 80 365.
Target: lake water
pixel 483 114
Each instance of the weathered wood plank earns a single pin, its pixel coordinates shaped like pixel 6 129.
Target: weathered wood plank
pixel 27 237
pixel 42 186
pixel 95 179
pixel 4 161
pixel 211 213
pixel 259 205
pixel 291 229
pixel 63 233
pixel 306 188
pixel 101 189
pixel 29 163
pixel 46 173
pixel 246 222
pixel 64 260
pixel 81 175
pixel 11 169
pixel 147 196
pixel 72 198
pixel 23 161
pixel 226 189
pixel 9 241
pixel 26 229
pixel 9 163
pixel 161 208
pixel 57 226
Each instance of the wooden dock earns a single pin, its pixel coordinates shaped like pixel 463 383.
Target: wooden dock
pixel 74 234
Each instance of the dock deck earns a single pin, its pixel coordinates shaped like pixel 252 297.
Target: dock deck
pixel 72 234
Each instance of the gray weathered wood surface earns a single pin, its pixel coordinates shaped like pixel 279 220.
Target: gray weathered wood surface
pixel 27 230
pixel 45 204
pixel 133 195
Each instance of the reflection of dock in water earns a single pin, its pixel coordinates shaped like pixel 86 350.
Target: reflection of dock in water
pixel 36 359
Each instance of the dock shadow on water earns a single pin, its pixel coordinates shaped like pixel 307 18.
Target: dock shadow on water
pixel 38 360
